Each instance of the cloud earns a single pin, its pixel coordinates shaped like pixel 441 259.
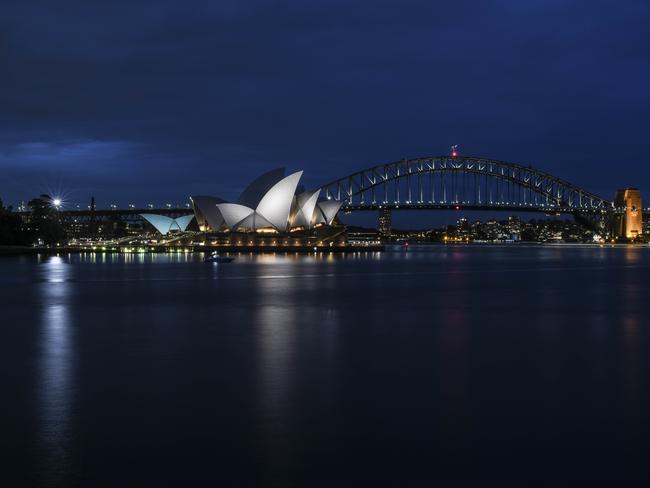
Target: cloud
pixel 71 155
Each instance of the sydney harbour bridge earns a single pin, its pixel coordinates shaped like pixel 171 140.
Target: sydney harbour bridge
pixel 454 182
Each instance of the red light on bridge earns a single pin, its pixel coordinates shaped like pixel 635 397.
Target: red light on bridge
pixel 454 151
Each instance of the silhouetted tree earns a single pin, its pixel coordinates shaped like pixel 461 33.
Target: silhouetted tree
pixel 11 231
pixel 45 220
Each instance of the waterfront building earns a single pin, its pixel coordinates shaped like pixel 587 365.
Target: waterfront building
pixel 385 223
pixel 272 204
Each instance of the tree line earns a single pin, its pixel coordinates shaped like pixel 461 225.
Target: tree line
pixel 41 226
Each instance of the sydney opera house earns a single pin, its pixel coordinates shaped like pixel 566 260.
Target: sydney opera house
pixel 273 203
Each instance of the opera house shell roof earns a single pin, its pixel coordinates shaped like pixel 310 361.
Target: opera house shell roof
pixel 164 224
pixel 272 201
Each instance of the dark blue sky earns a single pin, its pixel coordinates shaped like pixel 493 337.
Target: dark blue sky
pixel 135 101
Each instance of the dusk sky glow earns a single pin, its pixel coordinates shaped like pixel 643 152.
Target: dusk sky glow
pixel 157 100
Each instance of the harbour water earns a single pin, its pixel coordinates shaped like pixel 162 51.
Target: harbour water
pixel 401 368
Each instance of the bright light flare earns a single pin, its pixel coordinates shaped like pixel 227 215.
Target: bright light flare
pixel 56 202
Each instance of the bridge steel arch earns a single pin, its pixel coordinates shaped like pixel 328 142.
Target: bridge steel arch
pixel 446 182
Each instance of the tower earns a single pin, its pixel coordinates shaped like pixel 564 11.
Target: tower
pixel 628 223
pixel 384 227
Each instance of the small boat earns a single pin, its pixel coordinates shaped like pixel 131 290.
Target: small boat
pixel 215 258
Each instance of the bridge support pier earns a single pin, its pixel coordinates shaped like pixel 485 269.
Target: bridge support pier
pixel 628 220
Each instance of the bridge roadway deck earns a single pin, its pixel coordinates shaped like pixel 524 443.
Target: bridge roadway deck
pixel 461 206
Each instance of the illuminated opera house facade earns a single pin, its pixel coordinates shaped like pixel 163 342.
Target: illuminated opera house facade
pixel 272 204
pixel 165 225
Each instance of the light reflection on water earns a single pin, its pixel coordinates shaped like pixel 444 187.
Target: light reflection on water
pixel 56 386
pixel 632 354
pixel 276 323
pixel 421 349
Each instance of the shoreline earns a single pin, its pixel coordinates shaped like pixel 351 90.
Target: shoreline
pixel 108 249
pixel 525 244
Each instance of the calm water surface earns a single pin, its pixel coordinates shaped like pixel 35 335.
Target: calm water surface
pixel 401 368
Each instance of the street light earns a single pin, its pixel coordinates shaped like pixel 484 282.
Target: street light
pixel 56 202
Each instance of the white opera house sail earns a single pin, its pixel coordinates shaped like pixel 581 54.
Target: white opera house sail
pixel 165 225
pixel 273 202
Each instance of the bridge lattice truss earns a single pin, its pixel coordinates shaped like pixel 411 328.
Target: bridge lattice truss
pixel 461 182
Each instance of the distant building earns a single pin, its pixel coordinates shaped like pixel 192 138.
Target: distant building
pixel 628 223
pixel 385 223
